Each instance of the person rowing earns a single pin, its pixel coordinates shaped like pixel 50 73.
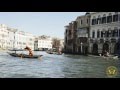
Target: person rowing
pixel 30 51
pixel 106 54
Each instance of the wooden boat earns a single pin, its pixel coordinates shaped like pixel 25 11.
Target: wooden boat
pixel 24 55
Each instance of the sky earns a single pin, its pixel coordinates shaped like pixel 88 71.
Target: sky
pixel 39 23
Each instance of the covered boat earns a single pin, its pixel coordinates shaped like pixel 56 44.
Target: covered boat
pixel 24 55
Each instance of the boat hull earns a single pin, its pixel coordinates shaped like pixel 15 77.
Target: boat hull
pixel 24 55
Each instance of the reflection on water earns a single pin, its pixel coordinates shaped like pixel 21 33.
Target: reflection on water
pixel 55 66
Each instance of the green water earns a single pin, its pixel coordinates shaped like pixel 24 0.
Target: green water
pixel 55 66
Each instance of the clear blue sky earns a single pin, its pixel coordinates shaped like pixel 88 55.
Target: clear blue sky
pixel 39 23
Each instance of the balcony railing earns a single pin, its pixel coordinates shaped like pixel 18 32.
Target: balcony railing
pixel 103 40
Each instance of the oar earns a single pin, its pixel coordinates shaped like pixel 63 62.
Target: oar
pixel 21 55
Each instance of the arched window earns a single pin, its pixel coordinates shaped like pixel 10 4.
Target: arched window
pixel 99 20
pixel 104 19
pixel 115 17
pixel 109 32
pixel 104 33
pixel 93 34
pixel 109 18
pixel 113 33
pixel 98 34
pixel 116 32
pixel 105 47
pixel 94 20
pixel 101 33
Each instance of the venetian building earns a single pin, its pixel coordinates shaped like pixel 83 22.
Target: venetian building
pixel 104 32
pixel 70 37
pixel 6 37
pixel 23 39
pixel 83 24
pixel 66 39
pixel 74 36
pixel 11 35
pixel 43 43
pixel 3 36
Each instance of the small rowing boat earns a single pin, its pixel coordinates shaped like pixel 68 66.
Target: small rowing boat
pixel 24 55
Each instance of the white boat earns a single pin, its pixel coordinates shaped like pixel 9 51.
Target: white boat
pixel 109 57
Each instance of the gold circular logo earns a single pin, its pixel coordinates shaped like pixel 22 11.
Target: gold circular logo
pixel 111 71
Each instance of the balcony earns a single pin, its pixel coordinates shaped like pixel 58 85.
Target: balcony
pixel 91 40
pixel 113 40
pixel 103 40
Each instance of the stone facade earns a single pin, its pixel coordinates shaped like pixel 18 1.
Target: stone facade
pixel 95 33
pixel 12 38
pixel 83 24
pixel 43 43
pixel 23 39
pixel 76 35
pixel 7 37
pixel 104 32
pixel 70 37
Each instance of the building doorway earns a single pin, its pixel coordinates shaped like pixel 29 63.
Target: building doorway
pixel 74 48
pixel 86 50
pixel 105 48
pixel 116 48
pixel 95 49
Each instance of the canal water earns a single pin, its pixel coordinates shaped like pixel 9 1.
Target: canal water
pixel 55 66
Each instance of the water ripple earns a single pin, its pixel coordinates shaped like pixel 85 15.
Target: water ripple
pixel 55 66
